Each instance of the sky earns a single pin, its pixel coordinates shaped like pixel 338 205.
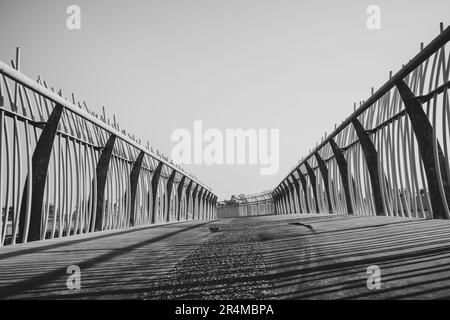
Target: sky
pixel 160 65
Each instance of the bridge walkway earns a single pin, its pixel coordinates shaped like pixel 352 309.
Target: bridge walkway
pixel 266 257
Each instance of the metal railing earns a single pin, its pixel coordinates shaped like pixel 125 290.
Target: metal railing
pixel 65 171
pixel 390 156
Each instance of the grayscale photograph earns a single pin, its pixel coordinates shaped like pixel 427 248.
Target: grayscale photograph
pixel 223 158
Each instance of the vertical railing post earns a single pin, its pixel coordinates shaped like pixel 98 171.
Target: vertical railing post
pixel 324 172
pixel 155 185
pixel 283 199
pixel 290 189
pixel 207 205
pixel 292 193
pixel 305 190
pixel 275 202
pixel 169 188
pixel 134 179
pixel 210 206
pixel 280 199
pixel 40 162
pixel 275 199
pixel 279 202
pixel 102 173
pixel 188 198
pixel 199 202
pixel 312 179
pixel 180 196
pixel 371 156
pixel 287 198
pixel 215 207
pixel 203 208
pixel 343 170
pixel 423 130
pixel 194 201
pixel 297 190
pixel 211 213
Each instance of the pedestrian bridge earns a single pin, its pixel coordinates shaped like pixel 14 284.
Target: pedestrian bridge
pixel 89 211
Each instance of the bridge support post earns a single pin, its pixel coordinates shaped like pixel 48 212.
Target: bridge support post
pixel 288 197
pixel 207 205
pixel 199 202
pixel 134 179
pixel 312 179
pixel 371 156
pixel 283 199
pixel 194 201
pixel 343 170
pixel 305 192
pixel 203 208
pixel 39 164
pixel 211 199
pixel 297 190
pixel 279 204
pixel 215 207
pixel 200 197
pixel 211 211
pixel 188 198
pixel 212 206
pixel 155 185
pixel 324 172
pixel 292 194
pixel 275 204
pixel 180 196
pixel 423 130
pixel 276 196
pixel 169 188
pixel 102 173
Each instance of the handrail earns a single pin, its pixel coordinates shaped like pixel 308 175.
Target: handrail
pixel 422 56
pixel 19 77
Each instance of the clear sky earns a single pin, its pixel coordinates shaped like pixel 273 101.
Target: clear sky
pixel 160 65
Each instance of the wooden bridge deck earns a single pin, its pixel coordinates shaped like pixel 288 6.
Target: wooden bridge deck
pixel 290 256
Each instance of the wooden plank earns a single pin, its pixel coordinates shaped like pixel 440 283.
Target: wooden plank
pixel 327 258
pixel 118 264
